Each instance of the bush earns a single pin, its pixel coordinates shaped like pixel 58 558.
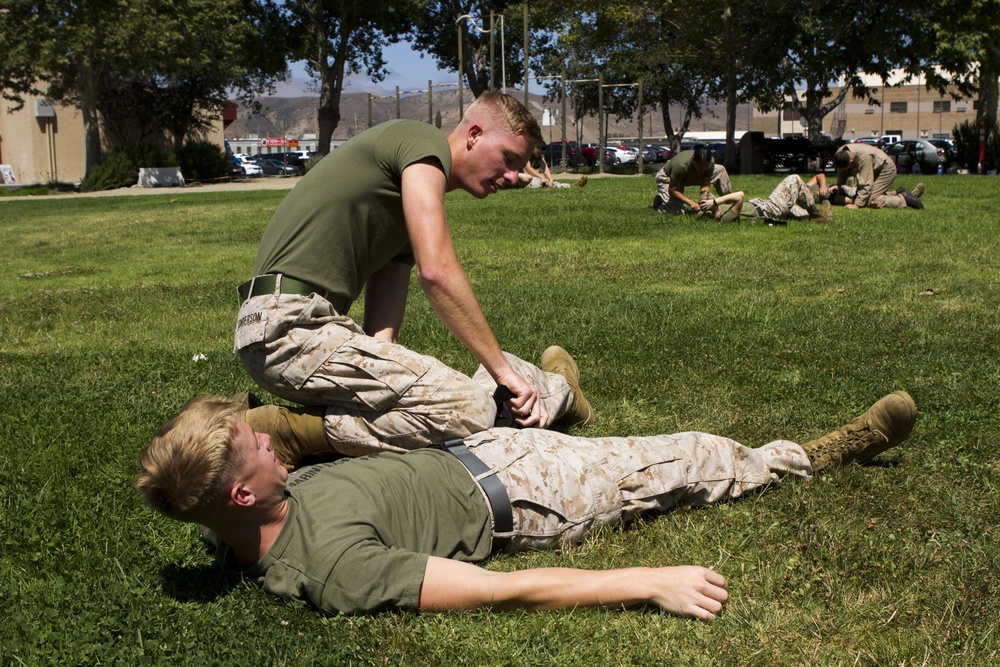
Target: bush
pixel 310 163
pixel 203 161
pixel 119 167
pixel 966 136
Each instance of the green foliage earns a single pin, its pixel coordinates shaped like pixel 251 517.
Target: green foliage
pixel 966 138
pixel 746 330
pixel 203 161
pixel 310 163
pixel 119 168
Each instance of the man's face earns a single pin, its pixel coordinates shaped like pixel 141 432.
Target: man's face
pixel 495 156
pixel 262 472
pixel 700 167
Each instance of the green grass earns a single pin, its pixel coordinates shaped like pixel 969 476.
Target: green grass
pixel 747 330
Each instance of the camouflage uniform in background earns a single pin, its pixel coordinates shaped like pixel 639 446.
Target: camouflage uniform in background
pixel 789 199
pixel 680 169
pixel 875 173
pixel 562 487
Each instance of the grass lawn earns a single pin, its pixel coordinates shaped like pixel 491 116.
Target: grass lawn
pixel 746 330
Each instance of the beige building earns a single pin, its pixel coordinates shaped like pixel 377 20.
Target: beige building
pixel 44 142
pixel 907 109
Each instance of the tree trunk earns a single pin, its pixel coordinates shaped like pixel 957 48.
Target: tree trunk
pixel 91 121
pixel 989 91
pixel 331 79
pixel 328 115
pixel 731 104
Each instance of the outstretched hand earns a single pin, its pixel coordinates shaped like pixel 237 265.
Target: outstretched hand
pixel 689 590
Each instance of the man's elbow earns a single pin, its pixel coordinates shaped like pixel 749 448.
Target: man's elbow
pixel 432 278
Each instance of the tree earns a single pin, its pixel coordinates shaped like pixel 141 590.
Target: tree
pixel 340 38
pixel 824 48
pixel 964 40
pixel 439 25
pixel 671 46
pixel 182 58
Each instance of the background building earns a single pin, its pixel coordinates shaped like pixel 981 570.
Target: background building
pixel 44 142
pixel 906 109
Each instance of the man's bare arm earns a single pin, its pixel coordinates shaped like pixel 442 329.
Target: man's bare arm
pixel 819 180
pixel 678 193
pixel 691 591
pixel 448 289
pixel 385 300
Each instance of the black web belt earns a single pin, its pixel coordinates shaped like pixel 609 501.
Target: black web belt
pixel 503 514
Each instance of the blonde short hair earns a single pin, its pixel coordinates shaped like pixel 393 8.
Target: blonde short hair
pixel 507 111
pixel 191 460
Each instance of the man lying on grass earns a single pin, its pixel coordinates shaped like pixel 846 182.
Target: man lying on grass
pixel 401 531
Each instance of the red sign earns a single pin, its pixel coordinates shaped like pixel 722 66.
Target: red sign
pixel 273 141
pixel 293 143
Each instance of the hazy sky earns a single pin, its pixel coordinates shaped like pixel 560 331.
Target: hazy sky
pixel 406 69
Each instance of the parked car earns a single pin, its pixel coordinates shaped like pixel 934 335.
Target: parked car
pixel 653 153
pixel 574 156
pixel 871 141
pixel 278 168
pixel 246 166
pixel 614 155
pixel 920 152
pixel 950 154
pixel 589 151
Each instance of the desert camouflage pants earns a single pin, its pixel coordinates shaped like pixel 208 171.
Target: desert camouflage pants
pixel 562 487
pixel 719 180
pixel 379 396
pixel 790 199
pixel 536 182
pixel 884 180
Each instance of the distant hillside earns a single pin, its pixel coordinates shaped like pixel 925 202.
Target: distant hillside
pixel 296 117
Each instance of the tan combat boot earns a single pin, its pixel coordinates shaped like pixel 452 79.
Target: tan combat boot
pixel 919 190
pixel 557 360
pixel 884 425
pixel 295 432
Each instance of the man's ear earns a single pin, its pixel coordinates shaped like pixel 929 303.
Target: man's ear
pixel 241 496
pixel 473 135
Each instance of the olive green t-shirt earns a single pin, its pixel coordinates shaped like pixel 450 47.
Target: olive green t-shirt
pixel 731 214
pixel 359 531
pixel 344 220
pixel 680 169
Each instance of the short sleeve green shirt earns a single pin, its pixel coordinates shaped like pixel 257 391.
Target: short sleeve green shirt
pixel 344 220
pixel 357 537
pixel 681 171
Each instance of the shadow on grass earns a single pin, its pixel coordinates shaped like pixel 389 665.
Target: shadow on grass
pixel 201 583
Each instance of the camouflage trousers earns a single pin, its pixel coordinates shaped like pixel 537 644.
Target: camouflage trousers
pixel 536 182
pixel 563 487
pixel 790 199
pixel 378 396
pixel 719 180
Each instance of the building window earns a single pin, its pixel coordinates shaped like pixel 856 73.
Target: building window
pixel 960 109
pixel 789 113
pixel 897 107
pixel 869 111
pixel 975 105
pixel 942 106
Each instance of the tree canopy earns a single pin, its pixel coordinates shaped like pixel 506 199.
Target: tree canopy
pixel 164 64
